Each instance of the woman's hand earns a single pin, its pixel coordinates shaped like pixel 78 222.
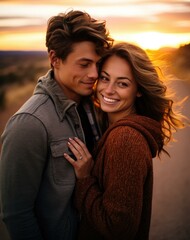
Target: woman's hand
pixel 84 163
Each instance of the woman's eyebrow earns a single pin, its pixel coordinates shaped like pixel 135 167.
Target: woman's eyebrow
pixel 124 78
pixel 120 78
pixel 105 73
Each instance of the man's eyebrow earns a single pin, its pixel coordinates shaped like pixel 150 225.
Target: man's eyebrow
pixel 85 59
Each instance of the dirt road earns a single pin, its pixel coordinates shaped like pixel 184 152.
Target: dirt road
pixel 171 199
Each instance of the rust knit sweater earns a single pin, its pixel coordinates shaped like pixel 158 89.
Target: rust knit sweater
pixel 115 202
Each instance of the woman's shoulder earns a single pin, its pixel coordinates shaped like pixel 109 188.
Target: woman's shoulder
pixel 136 131
pixel 124 134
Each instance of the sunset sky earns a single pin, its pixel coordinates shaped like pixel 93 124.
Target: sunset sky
pixel 151 24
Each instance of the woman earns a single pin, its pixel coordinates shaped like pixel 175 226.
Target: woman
pixel 114 192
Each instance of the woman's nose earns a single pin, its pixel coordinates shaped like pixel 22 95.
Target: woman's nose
pixel 110 88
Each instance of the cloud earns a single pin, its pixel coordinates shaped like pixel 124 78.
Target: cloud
pixel 131 16
pixel 17 22
pixel 122 16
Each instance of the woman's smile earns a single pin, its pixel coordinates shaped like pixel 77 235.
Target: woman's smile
pixel 109 100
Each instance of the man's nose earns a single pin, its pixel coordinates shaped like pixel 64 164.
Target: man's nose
pixel 93 73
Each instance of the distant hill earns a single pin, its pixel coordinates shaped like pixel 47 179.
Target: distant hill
pixel 21 66
pixel 11 53
pixel 175 61
pixel 8 58
pixel 180 60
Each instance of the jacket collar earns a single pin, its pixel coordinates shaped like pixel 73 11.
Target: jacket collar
pixel 48 85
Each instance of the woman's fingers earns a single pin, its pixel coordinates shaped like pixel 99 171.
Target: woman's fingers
pixel 82 168
pixel 84 163
pixel 77 152
pixel 69 159
pixel 80 146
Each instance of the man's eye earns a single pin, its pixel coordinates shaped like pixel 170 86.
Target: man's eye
pixel 84 64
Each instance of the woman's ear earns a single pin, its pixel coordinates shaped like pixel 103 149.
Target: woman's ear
pixel 54 60
pixel 139 94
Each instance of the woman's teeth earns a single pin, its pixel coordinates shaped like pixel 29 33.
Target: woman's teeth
pixel 109 100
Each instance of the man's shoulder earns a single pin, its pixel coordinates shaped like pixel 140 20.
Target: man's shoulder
pixel 33 104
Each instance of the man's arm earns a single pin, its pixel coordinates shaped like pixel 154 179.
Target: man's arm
pixel 23 156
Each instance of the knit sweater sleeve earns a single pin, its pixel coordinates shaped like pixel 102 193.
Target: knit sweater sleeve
pixel 114 209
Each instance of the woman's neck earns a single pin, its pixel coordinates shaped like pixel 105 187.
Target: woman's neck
pixel 114 117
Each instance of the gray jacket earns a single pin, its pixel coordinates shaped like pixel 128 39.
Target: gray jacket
pixel 36 182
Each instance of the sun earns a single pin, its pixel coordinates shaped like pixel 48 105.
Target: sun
pixel 154 40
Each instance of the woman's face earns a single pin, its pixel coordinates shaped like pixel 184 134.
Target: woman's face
pixel 116 88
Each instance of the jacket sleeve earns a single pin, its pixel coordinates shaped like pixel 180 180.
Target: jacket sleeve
pixel 114 209
pixel 22 162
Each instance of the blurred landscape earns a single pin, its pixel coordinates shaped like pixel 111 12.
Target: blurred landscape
pixel 19 72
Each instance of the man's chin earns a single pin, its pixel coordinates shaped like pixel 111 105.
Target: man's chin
pixel 87 93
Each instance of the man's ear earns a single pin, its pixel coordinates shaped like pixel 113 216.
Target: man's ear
pixel 54 60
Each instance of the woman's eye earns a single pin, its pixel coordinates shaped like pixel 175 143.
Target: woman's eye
pixel 103 78
pixel 123 84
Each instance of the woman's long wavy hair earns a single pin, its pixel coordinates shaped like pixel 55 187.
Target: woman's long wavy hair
pixel 155 101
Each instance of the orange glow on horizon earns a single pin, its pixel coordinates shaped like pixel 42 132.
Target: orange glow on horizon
pixel 23 41
pixel 147 40
pixel 155 40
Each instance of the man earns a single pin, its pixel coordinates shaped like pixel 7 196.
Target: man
pixel 36 181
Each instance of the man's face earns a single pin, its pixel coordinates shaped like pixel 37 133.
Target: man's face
pixel 77 74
